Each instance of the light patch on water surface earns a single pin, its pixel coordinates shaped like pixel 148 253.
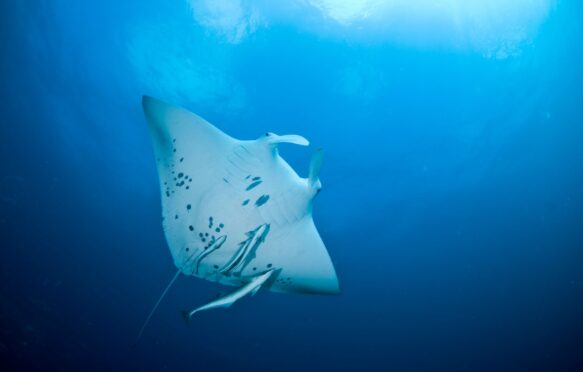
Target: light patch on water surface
pixel 495 28
pixel 232 20
pixel 346 12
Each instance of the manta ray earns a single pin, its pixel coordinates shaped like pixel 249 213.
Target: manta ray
pixel 234 211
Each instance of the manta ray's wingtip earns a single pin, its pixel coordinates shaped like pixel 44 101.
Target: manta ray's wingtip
pixel 148 101
pixel 157 111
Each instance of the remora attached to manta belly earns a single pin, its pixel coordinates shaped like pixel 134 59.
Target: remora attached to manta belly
pixel 246 250
pixel 235 209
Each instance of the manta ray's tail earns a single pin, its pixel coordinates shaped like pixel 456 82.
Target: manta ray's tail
pixel 155 307
pixel 186 316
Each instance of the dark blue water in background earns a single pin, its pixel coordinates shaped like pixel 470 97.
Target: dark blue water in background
pixel 452 204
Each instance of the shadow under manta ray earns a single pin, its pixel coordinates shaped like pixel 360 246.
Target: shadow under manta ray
pixel 234 211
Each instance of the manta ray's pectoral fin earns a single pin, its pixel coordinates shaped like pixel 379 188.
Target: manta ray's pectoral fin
pixel 226 301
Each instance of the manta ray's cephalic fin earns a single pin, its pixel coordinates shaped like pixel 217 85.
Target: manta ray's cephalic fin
pixel 294 139
pixel 315 166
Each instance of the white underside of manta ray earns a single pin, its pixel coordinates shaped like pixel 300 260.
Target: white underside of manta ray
pixel 234 211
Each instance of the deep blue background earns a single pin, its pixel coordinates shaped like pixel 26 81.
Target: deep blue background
pixel 452 204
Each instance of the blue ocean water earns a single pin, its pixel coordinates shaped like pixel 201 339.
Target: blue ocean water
pixel 452 201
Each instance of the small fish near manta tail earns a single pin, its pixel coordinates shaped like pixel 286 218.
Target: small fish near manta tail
pixel 226 301
pixel 235 208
